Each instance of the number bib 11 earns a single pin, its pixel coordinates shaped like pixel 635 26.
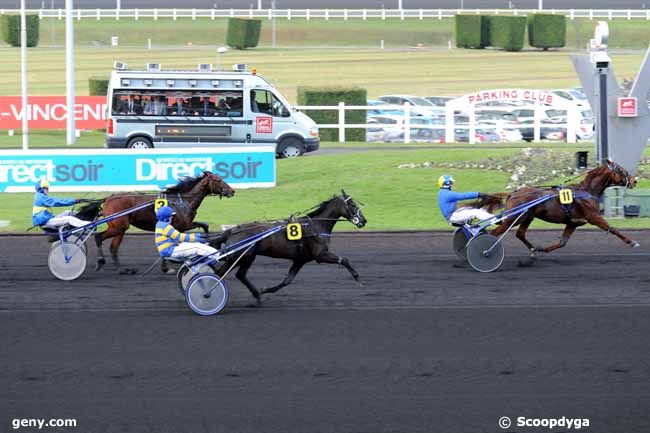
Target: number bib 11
pixel 294 231
pixel 566 196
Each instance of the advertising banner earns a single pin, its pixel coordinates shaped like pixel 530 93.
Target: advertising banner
pixel 50 112
pixel 134 170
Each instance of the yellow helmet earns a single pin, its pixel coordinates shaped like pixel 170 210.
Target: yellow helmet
pixel 43 183
pixel 445 181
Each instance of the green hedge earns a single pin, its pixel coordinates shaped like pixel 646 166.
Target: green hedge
pixel 243 33
pixel 97 86
pixel 546 31
pixel 507 32
pixel 472 31
pixel 11 30
pixel 332 96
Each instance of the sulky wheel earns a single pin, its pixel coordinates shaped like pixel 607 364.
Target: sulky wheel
pixel 459 243
pixel 485 253
pixel 206 294
pixel 185 274
pixel 67 261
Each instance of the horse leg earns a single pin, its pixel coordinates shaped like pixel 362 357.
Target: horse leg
pixel 202 226
pixel 521 234
pixel 115 246
pixel 566 234
pixel 329 257
pixel 111 232
pixel 244 265
pixel 293 271
pixel 599 221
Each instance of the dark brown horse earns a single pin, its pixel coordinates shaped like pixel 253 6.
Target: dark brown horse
pixel 317 226
pixel 185 198
pixel 583 210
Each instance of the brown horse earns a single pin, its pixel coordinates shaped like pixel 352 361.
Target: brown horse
pixel 185 198
pixel 583 210
pixel 317 226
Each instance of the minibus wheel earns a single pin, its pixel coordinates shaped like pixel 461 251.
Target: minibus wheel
pixel 291 148
pixel 139 143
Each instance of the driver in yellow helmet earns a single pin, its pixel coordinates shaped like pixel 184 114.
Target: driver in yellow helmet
pixel 43 204
pixel 447 202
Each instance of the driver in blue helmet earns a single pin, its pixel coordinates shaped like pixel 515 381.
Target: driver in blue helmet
pixel 447 201
pixel 174 244
pixel 43 204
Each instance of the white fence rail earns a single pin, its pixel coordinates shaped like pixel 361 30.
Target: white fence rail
pixel 570 128
pixel 326 14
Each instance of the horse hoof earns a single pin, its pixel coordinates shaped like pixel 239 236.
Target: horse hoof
pixel 128 271
pixel 100 264
pixel 635 244
pixel 169 271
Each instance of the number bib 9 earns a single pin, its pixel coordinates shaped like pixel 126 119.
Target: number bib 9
pixel 566 196
pixel 294 231
pixel 160 202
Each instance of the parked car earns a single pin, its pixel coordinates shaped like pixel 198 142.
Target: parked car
pixel 573 95
pixel 546 132
pixel 508 131
pixel 374 132
pixel 392 127
pixel 420 106
pixel 427 132
pixel 438 101
pixel 381 112
pixel 487 136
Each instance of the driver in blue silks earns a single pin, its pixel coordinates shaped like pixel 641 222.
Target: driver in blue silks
pixel 447 200
pixel 43 204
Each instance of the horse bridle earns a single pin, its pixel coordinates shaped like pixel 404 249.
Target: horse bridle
pixel 620 171
pixel 356 216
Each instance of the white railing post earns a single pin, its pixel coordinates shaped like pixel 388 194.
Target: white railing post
pixel 421 14
pixel 407 122
pixel 212 14
pixel 591 14
pixel 345 14
pixel 174 14
pixel 629 14
pixel 609 14
pixel 288 14
pixel 193 14
pixel 250 13
pixel 341 122
pixel 472 126
pixel 60 14
pixel 232 13
pixel 137 15
pixel 401 14
pixel 327 14
pixel 364 14
pixel 449 123
pixel 572 122
pixel 440 14
pixel 537 122
pixel 117 14
pixel 270 14
pixel 572 14
pixel 308 14
pixel 383 14
pixel 40 14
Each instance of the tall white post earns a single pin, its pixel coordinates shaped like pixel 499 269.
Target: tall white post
pixel 259 5
pixel 273 29
pixel 69 68
pixel 23 72
pixel 118 4
pixel 399 4
pixel 540 6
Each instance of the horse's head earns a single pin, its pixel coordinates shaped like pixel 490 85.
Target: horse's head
pixel 214 184
pixel 350 210
pixel 619 176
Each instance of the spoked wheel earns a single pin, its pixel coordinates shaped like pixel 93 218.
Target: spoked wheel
pixel 57 243
pixel 206 294
pixel 185 274
pixel 485 253
pixel 459 243
pixel 67 261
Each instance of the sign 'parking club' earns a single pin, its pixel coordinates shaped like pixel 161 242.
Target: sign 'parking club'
pixel 50 112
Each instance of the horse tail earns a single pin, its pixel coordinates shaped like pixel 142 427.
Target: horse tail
pixel 90 211
pixel 491 202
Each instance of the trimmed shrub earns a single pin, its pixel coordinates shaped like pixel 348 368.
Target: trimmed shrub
pixel 507 32
pixel 332 96
pixel 97 86
pixel 472 31
pixel 243 33
pixel 546 31
pixel 11 30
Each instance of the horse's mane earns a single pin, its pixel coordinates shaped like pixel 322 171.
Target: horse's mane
pixel 185 184
pixel 89 211
pixel 321 206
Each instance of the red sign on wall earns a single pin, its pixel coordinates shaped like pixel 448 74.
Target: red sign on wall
pixel 627 107
pixel 50 112
pixel 264 125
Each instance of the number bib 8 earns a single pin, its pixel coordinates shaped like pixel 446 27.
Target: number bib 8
pixel 294 231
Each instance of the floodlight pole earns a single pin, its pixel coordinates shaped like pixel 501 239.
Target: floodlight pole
pixel 23 72
pixel 273 30
pixel 69 72
pixel 399 4
pixel 540 6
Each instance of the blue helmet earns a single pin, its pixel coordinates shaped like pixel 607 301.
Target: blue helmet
pixel 445 181
pixel 41 184
pixel 165 213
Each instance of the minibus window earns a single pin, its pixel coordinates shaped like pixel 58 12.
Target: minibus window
pixel 265 102
pixel 217 103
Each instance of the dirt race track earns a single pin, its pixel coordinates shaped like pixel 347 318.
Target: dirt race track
pixel 423 346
